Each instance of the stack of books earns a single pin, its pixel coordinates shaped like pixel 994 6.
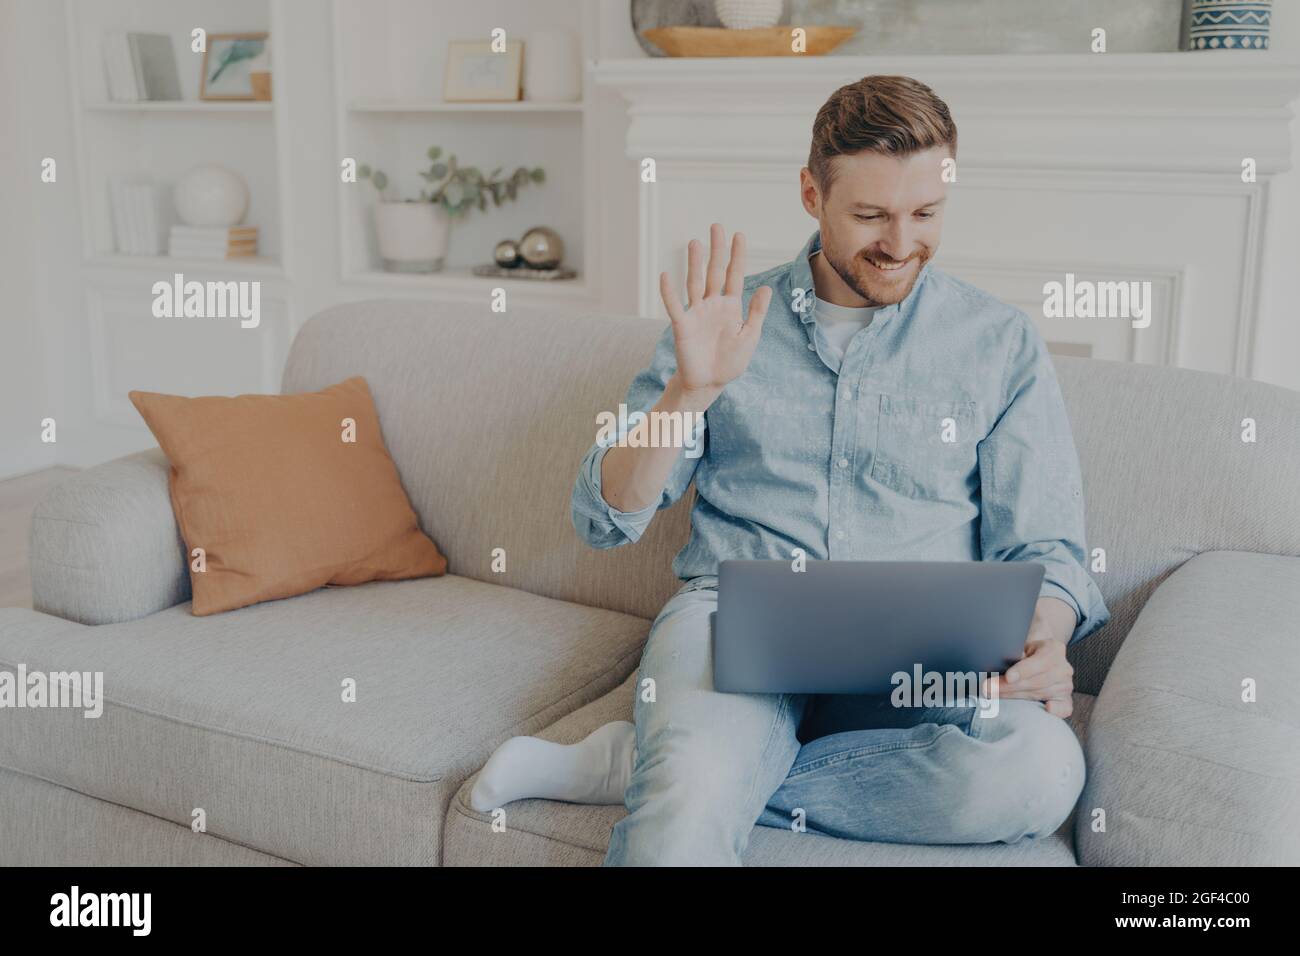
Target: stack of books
pixel 137 217
pixel 212 242
pixel 140 66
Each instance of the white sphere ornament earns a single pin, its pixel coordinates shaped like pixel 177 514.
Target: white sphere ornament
pixel 747 14
pixel 211 195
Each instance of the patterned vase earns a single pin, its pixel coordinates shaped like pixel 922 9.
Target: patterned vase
pixel 1228 25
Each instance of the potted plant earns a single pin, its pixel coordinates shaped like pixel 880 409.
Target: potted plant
pixel 413 233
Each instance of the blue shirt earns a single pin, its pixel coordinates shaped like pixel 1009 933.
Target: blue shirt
pixel 940 435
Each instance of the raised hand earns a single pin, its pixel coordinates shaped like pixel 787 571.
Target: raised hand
pixel 713 342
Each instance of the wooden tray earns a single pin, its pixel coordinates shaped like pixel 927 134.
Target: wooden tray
pixel 762 41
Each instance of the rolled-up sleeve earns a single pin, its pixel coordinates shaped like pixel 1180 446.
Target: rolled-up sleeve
pixel 1031 489
pixel 598 522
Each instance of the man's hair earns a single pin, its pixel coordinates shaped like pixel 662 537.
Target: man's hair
pixel 896 115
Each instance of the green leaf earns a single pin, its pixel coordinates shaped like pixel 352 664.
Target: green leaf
pixel 520 176
pixel 454 193
pixel 439 170
pixel 539 175
pixel 380 180
pixel 434 152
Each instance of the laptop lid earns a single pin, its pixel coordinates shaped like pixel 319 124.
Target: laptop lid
pixel 847 627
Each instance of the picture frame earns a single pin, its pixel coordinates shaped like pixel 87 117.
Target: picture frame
pixel 475 74
pixel 236 67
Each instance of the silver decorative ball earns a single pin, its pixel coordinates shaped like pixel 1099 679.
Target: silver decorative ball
pixel 542 248
pixel 506 254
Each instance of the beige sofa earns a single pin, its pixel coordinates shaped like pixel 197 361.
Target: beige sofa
pixel 487 417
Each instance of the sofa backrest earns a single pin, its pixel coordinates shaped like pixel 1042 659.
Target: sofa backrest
pixel 487 417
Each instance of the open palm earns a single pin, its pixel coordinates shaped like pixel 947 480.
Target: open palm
pixel 713 342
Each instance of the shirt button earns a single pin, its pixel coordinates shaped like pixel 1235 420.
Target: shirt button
pixel 844 463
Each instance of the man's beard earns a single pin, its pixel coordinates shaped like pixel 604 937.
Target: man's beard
pixel 856 275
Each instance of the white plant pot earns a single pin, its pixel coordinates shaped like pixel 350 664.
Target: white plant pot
pixel 412 235
pixel 747 14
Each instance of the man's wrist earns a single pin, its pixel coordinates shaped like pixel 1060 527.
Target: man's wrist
pixel 678 398
pixel 1056 618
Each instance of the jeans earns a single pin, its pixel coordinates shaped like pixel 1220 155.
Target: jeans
pixel 709 765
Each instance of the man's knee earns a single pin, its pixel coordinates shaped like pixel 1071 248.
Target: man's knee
pixel 1033 782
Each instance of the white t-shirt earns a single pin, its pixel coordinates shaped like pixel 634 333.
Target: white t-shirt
pixel 840 323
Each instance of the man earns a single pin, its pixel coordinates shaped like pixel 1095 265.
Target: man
pixel 858 404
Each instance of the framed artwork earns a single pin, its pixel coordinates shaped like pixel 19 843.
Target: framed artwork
pixel 476 74
pixel 236 66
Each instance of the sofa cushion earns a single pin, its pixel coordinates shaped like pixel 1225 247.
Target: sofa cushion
pixel 551 833
pixel 241 713
pixel 286 493
pixel 1187 771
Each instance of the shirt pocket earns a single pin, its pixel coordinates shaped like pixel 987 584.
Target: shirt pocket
pixel 926 448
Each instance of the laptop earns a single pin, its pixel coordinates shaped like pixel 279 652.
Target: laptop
pixel 846 627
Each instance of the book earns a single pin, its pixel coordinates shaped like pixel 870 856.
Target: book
pixel 212 242
pixel 154 66
pixel 137 216
pixel 118 72
pixel 214 233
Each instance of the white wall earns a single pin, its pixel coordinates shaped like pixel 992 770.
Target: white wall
pixel 35 217
pixel 1277 344
pixel 45 360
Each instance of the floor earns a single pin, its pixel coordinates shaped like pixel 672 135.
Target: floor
pixel 18 497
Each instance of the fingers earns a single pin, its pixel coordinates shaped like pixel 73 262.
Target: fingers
pixel 669 296
pixel 1060 707
pixel 758 303
pixel 1041 657
pixel 736 267
pixel 694 272
pixel 1053 686
pixel 717 266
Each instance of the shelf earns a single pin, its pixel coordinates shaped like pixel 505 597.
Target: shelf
pixel 264 266
pixel 181 106
pixel 462 280
pixel 436 106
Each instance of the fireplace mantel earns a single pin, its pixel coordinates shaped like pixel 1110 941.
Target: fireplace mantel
pixel 1169 112
pixel 1117 166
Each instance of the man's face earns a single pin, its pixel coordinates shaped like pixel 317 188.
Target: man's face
pixel 881 217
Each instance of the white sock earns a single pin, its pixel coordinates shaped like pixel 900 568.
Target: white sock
pixel 594 770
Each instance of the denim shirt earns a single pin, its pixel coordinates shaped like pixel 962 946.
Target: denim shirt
pixel 940 435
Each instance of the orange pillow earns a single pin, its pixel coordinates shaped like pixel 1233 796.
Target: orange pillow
pixel 279 501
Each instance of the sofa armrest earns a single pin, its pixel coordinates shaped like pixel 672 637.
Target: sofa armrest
pixel 1187 772
pixel 105 546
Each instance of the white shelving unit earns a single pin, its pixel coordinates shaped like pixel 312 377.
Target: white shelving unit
pixel 128 347
pixel 116 138
pixel 389 61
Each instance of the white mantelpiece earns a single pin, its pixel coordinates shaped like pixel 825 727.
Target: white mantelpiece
pixel 1123 166
pixel 1186 112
